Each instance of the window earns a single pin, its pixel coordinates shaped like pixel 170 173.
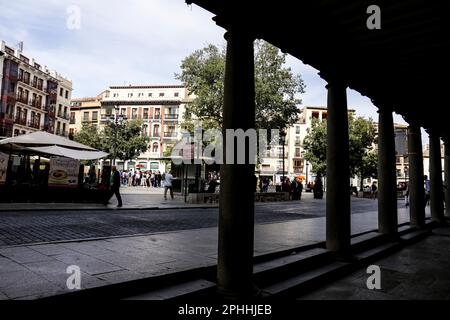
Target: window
pixel 156 130
pixel 133 113
pixel 115 95
pixel 123 111
pixel 145 116
pixel 149 94
pixel 20 74
pixel 176 94
pixel 85 116
pixel 155 147
pixel 34 83
pixel 297 129
pixel 64 128
pixel 67 94
pixel 61 91
pixel 26 77
pixel 161 94
pixel 94 115
pixel 130 95
pixel 297 152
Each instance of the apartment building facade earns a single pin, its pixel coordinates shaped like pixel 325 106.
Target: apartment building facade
pixel 295 165
pixel 29 95
pixel 86 111
pixel 160 107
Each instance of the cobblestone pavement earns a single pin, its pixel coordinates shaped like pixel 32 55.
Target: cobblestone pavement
pixel 26 227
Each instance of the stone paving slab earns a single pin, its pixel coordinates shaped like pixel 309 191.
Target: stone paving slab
pixel 418 272
pixel 34 271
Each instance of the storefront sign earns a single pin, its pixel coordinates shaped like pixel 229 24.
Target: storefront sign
pixel 3 166
pixel 63 172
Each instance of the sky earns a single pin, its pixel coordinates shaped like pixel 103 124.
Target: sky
pixel 102 43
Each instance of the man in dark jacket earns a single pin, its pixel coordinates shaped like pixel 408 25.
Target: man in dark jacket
pixel 114 187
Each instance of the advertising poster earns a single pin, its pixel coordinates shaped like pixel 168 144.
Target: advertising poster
pixel 3 166
pixel 63 172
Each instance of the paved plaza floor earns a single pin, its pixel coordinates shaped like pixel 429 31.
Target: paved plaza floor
pixel 30 271
pixel 420 271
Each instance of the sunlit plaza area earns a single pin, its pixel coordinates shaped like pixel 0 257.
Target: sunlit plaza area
pixel 223 156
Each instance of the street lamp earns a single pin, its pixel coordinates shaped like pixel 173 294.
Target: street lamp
pixel 307 164
pixel 283 139
pixel 116 121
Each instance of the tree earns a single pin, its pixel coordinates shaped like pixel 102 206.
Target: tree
pixel 362 159
pixel 89 135
pixel 126 141
pixel 203 73
pixel 315 145
pixel 369 166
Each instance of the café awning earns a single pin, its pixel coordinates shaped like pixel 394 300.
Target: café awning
pixel 42 138
pixel 69 153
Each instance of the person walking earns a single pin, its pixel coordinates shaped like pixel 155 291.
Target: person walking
pixel 427 190
pixel 374 190
pixel 168 184
pixel 114 187
pixel 407 195
pixel 158 178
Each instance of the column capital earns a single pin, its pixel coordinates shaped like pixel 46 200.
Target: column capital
pixel 240 31
pixel 332 79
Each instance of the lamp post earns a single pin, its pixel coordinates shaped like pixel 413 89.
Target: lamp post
pixel 406 174
pixel 283 139
pixel 307 164
pixel 115 122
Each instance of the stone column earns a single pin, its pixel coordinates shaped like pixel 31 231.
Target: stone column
pixel 387 178
pixel 338 189
pixel 416 189
pixel 236 211
pixel 447 176
pixel 436 188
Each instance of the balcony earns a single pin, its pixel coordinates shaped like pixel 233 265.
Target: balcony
pixel 36 104
pixel 22 99
pixel 34 124
pixel 275 154
pixel 157 117
pixel 170 134
pixel 156 135
pixel 72 121
pixel 171 116
pixel 20 120
pixel 24 80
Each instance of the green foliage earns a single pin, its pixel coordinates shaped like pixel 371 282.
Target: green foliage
pixel 125 142
pixel 275 87
pixel 315 145
pixel 363 160
pixel 89 135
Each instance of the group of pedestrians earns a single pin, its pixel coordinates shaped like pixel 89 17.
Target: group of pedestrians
pixel 294 188
pixel 427 191
pixel 138 178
